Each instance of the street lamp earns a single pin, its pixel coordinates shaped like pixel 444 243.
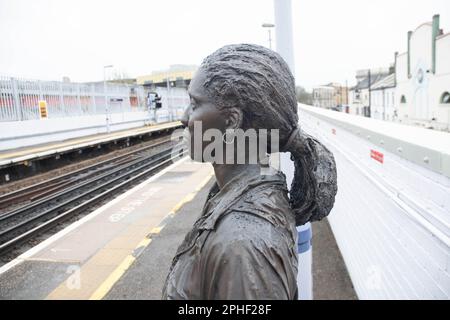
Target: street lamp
pixel 106 97
pixel 269 26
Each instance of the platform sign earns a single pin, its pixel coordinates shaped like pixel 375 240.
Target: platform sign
pixel 43 111
pixel 376 155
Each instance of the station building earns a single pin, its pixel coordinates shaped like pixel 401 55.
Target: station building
pixel 177 75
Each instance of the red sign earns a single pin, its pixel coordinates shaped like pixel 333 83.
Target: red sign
pixel 378 156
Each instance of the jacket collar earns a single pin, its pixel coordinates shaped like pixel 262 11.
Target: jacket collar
pixel 221 200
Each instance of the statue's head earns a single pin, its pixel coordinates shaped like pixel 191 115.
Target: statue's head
pixel 249 87
pixel 244 87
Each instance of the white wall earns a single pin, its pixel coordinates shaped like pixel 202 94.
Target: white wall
pixel 422 99
pixel 383 104
pixel 421 47
pixel 440 83
pixel 16 134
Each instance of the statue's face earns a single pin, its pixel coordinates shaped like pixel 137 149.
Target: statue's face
pixel 201 110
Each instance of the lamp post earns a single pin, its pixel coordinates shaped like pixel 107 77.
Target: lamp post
pixel 169 98
pixel 269 26
pixel 285 47
pixel 369 109
pixel 106 97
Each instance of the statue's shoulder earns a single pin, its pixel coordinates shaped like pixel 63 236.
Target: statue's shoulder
pixel 247 229
pixel 269 202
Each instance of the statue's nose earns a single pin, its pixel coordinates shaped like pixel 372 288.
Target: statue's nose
pixel 185 118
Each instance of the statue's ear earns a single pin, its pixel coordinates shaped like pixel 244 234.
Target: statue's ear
pixel 234 118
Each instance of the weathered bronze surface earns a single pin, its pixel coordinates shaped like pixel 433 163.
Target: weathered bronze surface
pixel 243 246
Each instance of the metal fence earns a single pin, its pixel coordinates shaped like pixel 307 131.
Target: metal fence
pixel 19 98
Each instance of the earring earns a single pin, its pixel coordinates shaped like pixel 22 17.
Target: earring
pixel 227 134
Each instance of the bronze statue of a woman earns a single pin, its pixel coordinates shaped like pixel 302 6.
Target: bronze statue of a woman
pixel 243 245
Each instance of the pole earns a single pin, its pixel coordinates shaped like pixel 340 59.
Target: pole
pixel 285 47
pixel 370 96
pixel 169 94
pixel 346 96
pixel 270 39
pixel 106 98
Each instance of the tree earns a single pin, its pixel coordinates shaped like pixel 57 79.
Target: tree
pixel 303 96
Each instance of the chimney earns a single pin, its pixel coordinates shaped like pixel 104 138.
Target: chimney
pixel 395 68
pixel 435 32
pixel 409 53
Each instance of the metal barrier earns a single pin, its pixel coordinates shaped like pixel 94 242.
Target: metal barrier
pixel 19 98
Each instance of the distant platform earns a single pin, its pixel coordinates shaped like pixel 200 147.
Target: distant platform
pixel 17 156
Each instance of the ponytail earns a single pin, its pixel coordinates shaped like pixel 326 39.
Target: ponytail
pixel 314 186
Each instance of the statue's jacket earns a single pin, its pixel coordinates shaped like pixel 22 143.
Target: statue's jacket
pixel 243 246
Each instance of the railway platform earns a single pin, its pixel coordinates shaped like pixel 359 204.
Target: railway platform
pixel 81 261
pixel 123 249
pixel 26 155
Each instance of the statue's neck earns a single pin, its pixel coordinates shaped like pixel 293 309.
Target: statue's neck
pixel 226 172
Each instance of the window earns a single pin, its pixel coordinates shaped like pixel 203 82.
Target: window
pixel 403 99
pixel 445 98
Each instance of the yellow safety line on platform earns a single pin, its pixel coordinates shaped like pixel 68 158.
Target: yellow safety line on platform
pixel 113 278
pixel 81 140
pixel 106 286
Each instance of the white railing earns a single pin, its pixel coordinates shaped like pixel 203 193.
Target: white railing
pixel 19 98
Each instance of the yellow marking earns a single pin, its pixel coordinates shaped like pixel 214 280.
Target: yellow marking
pixel 144 243
pixel 156 230
pixel 104 288
pixel 185 200
pixel 43 108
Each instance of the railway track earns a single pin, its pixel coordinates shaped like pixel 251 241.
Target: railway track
pixel 63 197
pixel 37 190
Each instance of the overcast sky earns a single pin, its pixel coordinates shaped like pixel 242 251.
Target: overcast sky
pixel 49 39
